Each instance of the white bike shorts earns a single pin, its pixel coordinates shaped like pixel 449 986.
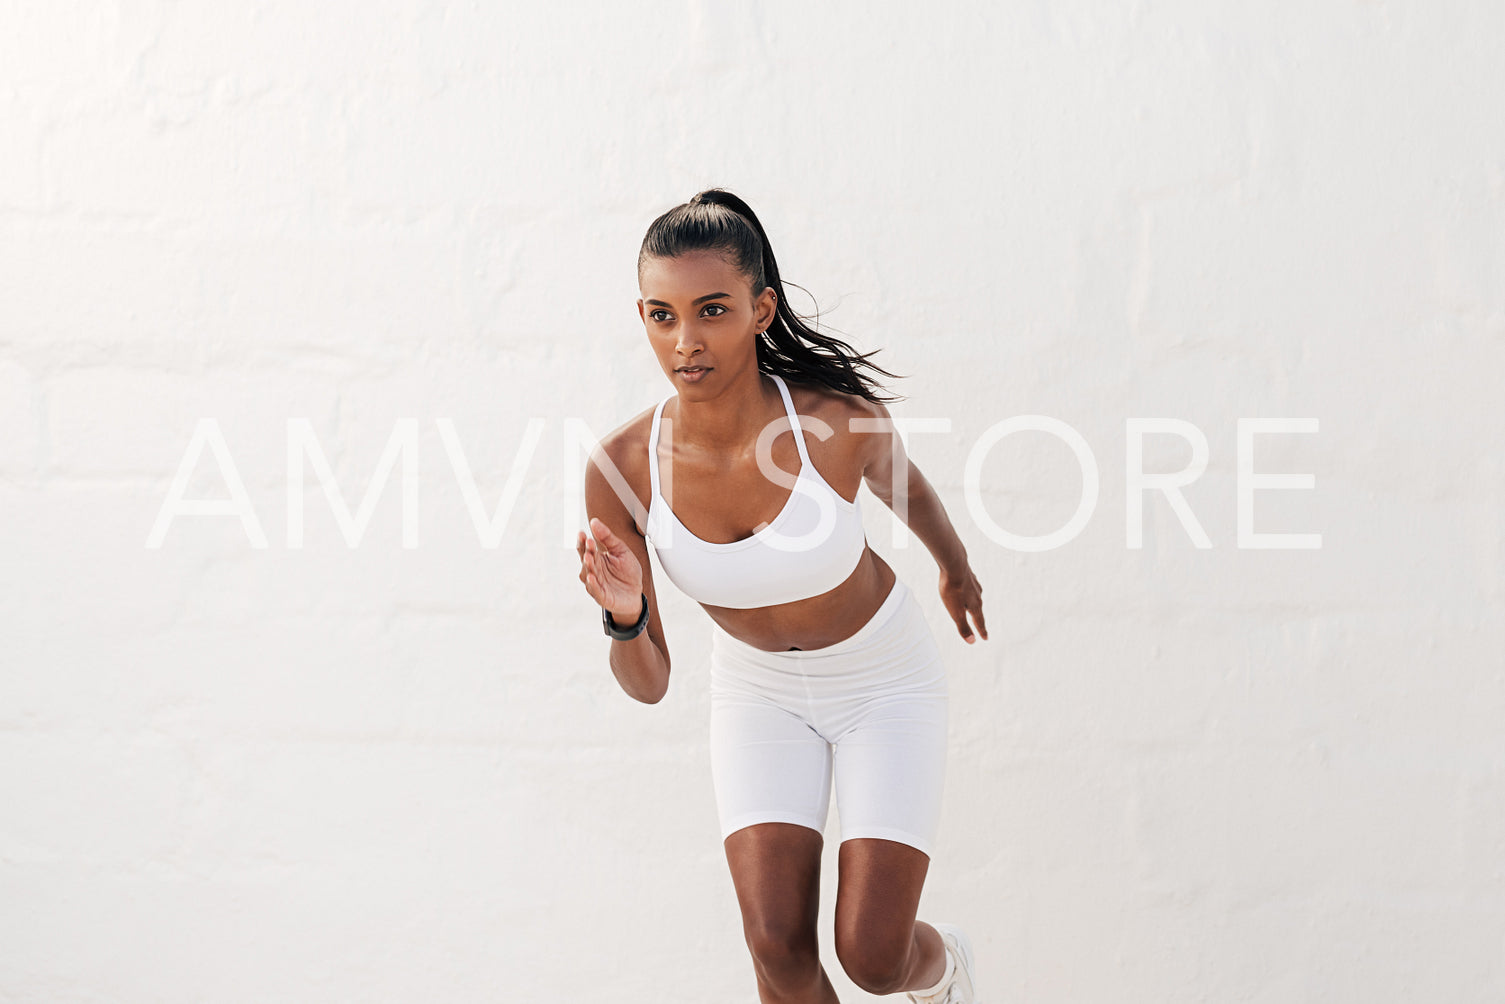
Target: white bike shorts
pixel 872 706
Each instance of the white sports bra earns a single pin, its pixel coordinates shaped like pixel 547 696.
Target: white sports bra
pixel 811 546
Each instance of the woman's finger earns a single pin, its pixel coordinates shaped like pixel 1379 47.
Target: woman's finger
pixel 961 624
pixel 611 544
pixel 605 569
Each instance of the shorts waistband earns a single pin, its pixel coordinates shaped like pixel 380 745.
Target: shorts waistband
pixel 896 597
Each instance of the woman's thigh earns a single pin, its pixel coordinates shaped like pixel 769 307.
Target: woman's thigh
pixel 877 898
pixel 776 872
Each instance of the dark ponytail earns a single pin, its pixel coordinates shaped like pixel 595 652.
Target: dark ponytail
pixel 716 220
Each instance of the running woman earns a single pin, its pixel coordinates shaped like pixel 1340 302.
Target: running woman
pixel 821 658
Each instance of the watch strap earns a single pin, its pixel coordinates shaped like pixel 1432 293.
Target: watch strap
pixel 625 633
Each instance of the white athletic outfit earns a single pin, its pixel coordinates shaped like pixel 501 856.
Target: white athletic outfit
pixel 873 706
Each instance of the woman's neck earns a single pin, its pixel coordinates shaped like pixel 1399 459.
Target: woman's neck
pixel 732 420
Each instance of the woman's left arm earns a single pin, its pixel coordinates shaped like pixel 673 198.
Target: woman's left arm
pixel 882 454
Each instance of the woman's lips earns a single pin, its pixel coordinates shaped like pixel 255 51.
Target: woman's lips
pixel 692 375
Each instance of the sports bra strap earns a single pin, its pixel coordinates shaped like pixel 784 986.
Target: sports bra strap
pixel 794 420
pixel 653 452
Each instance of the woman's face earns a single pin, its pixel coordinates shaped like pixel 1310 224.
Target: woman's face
pixel 702 319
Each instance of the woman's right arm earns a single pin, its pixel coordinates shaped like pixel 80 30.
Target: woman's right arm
pixel 615 571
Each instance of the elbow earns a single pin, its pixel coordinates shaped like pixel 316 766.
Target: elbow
pixel 645 687
pixel 658 692
pixel 649 695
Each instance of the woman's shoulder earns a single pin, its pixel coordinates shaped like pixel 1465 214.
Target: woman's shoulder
pixel 626 449
pixel 835 407
pixel 844 448
pixel 627 444
pixel 623 453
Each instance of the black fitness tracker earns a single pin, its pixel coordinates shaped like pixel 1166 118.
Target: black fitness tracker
pixel 627 633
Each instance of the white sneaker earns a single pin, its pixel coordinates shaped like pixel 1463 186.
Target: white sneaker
pixel 959 989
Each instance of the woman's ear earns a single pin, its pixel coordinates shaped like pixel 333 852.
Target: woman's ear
pixel 768 306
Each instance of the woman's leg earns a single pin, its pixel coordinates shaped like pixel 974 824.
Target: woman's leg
pixel 772 775
pixel 880 944
pixel 890 770
pixel 776 871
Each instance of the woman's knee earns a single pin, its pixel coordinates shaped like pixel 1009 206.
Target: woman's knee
pixel 784 953
pixel 878 967
pixel 877 959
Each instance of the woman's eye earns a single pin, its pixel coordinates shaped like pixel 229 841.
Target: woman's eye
pixel 654 315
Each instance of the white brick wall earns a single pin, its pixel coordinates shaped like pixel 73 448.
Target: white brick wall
pixel 397 775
